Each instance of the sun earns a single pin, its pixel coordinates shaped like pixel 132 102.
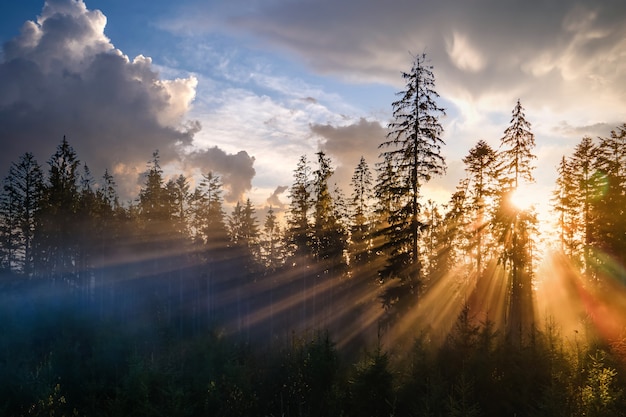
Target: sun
pixel 523 197
pixel 534 202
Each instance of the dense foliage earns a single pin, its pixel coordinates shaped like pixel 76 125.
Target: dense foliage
pixel 60 358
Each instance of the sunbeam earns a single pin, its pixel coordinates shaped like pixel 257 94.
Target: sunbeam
pixel 592 306
pixel 437 309
pixel 558 294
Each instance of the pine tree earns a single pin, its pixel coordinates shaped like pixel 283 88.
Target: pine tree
pixel 436 242
pixel 609 222
pixel 413 150
pixel 271 250
pixel 450 239
pixel 210 238
pixel 107 192
pixel 152 197
pixel 480 168
pixel 55 239
pixel 235 226
pixel 157 231
pixel 21 201
pixel 329 235
pixel 110 215
pixel 243 228
pixel 250 229
pixel 565 203
pixel 516 155
pixel 299 231
pixel 385 204
pixel 87 228
pixel 244 235
pixel 361 225
pixel 9 226
pixel 513 226
pixel 582 163
pixel 178 196
pixel 113 231
pixel 210 216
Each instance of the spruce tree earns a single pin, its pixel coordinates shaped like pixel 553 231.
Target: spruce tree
pixel 56 237
pixel 19 207
pixel 480 164
pixel 10 239
pixel 210 216
pixel 385 204
pixel 565 204
pixel 516 154
pixel 87 228
pixel 299 230
pixel 438 242
pixel 271 249
pixel 244 233
pixel 413 150
pixel 153 202
pixel 178 197
pixel 362 204
pixel 513 226
pixel 329 234
pixel 609 219
pixel 582 163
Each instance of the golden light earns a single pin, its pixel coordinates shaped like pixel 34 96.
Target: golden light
pixel 523 197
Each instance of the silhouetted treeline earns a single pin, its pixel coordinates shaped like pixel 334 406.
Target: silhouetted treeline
pixel 168 305
pixel 174 252
pixel 590 200
pixel 366 302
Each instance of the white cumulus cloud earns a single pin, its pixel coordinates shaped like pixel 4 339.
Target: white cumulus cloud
pixel 63 76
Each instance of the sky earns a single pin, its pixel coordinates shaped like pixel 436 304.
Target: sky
pixel 244 88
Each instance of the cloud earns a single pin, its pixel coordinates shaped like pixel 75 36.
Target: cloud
pixel 274 200
pixel 551 54
pixel 65 36
pixel 593 130
pixel 236 170
pixel 62 76
pixel 463 55
pixel 563 59
pixel 268 115
pixel 348 143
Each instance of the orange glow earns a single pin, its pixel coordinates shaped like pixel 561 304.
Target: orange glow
pixel 524 197
pixel 582 307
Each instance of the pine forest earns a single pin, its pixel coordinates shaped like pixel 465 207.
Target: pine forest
pixel 373 300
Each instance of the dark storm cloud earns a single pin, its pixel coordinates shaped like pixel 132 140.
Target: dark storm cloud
pixel 235 170
pixel 63 76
